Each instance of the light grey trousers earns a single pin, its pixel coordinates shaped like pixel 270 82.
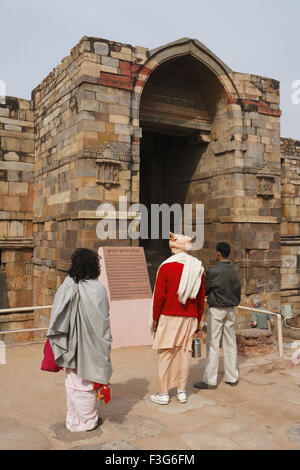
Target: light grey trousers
pixel 220 325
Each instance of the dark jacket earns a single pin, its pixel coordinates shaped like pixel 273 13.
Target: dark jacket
pixel 222 286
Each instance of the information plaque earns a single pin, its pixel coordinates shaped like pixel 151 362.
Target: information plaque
pixel 127 274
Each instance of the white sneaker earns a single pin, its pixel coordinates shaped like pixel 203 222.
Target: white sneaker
pixel 182 397
pixel 160 399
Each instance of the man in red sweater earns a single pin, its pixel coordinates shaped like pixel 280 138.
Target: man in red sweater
pixel 178 303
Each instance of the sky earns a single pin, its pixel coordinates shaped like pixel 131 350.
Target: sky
pixel 259 37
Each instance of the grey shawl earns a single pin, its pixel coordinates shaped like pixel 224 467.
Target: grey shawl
pixel 79 330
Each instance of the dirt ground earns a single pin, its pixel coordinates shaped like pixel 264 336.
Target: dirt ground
pixel 262 412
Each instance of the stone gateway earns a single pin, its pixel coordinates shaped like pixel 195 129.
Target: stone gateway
pixel 169 125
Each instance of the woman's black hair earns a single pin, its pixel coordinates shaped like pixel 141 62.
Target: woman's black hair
pixel 85 265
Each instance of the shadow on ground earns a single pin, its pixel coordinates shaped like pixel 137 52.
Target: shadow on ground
pixel 124 396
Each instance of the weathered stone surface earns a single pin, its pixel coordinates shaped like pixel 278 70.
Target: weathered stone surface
pixel 253 440
pixel 11 156
pixel 208 441
pixel 293 374
pixel 293 434
pixel 101 48
pixel 16 196
pixel 137 427
pixel 259 379
pixel 255 342
pixel 290 184
pixel 63 434
pixel 286 392
pixel 219 411
pixel 231 427
pixel 113 445
pixel 15 436
pixel 248 404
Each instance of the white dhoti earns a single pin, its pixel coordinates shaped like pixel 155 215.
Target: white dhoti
pixel 220 324
pixel 82 414
pixel 173 340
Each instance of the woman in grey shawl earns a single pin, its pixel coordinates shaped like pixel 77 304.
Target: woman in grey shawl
pixel 80 336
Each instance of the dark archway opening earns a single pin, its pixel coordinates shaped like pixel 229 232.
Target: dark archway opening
pixel 177 110
pixel 168 163
pixel 159 186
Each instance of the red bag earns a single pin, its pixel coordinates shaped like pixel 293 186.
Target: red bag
pixel 48 362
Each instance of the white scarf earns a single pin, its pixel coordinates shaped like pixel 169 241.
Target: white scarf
pixel 190 280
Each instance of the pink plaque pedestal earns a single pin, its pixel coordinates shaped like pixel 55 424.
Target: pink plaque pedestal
pixel 129 319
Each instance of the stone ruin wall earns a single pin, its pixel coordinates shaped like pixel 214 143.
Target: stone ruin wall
pixel 290 226
pixel 16 201
pixel 76 116
pixel 245 195
pixel 257 240
pixel 87 151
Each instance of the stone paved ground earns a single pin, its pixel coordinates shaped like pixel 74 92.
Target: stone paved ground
pixel 263 412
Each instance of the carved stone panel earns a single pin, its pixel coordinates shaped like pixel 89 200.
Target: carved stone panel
pixel 265 187
pixel 108 165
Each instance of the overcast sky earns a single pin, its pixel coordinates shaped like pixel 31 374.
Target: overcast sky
pixel 259 36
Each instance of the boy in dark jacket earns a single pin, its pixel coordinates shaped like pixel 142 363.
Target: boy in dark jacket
pixel 223 290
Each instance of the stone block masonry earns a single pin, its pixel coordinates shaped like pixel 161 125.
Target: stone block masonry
pixel 290 233
pixel 82 141
pixel 81 108
pixel 255 342
pixel 16 204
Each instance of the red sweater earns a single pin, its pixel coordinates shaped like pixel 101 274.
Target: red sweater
pixel 165 301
